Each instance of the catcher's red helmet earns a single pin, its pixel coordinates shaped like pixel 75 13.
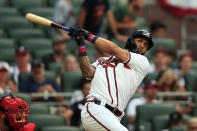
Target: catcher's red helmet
pixel 16 111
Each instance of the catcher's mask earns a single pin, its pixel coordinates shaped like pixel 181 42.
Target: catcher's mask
pixel 132 46
pixel 16 111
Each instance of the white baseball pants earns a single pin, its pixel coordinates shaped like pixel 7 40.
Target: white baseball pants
pixel 98 118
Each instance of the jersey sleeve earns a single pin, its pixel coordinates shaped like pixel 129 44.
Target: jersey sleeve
pixel 138 62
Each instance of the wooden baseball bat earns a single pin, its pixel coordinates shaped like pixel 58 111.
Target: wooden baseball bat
pixel 43 21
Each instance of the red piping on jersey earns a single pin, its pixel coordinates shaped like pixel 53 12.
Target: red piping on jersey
pixel 95 118
pixel 129 55
pixel 116 86
pixel 93 66
pixel 108 85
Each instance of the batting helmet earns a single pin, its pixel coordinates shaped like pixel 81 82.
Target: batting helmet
pixel 131 45
pixel 16 111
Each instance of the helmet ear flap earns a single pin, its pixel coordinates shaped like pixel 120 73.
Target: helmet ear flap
pixel 131 45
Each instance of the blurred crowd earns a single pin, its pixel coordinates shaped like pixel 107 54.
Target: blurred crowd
pixel 100 18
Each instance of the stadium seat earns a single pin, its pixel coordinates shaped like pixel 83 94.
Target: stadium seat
pixel 194 100
pixel 42 120
pixel 119 43
pixel 40 53
pixel 24 96
pixel 71 46
pixel 70 81
pixel 145 113
pixel 150 77
pixel 2 34
pixel 39 109
pixel 50 74
pixel 6 43
pixel 180 52
pixel 178 128
pixel 26 75
pixel 141 21
pixel 61 128
pixel 26 33
pixel 166 43
pixel 160 122
pixel 55 67
pixel 194 65
pixel 190 81
pixel 5 11
pixel 45 12
pixel 7 55
pixel 34 44
pixel 27 3
pixel 2 3
pixel 145 126
pixel 52 3
pixel 12 22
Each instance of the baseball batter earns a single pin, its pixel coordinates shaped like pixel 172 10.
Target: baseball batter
pixel 114 79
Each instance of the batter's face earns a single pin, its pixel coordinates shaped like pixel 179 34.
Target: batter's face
pixel 142 45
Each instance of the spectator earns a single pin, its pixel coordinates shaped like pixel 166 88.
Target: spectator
pixel 170 57
pixel 158 29
pixel 58 55
pixel 70 64
pixel 92 14
pixel 126 17
pixel 185 62
pixel 159 60
pixel 6 85
pixel 72 115
pixel 192 124
pixel 38 83
pixel 169 81
pixel 22 59
pixel 150 93
pixel 175 119
pixel 64 15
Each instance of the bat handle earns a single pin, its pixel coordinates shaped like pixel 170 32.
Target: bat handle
pixel 65 28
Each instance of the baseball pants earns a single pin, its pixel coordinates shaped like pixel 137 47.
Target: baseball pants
pixel 98 118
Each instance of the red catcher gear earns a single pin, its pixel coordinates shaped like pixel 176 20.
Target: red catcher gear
pixel 28 127
pixel 16 111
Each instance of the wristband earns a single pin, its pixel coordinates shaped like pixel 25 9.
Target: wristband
pixel 82 50
pixel 92 37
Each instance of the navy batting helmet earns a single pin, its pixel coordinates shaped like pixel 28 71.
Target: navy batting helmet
pixel 131 45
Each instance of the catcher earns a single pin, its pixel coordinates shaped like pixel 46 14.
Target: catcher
pixel 13 114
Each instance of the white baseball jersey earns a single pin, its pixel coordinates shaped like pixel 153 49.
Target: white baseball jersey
pixel 115 81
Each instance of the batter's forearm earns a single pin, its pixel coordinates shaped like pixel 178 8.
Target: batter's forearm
pixel 85 66
pixel 106 46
